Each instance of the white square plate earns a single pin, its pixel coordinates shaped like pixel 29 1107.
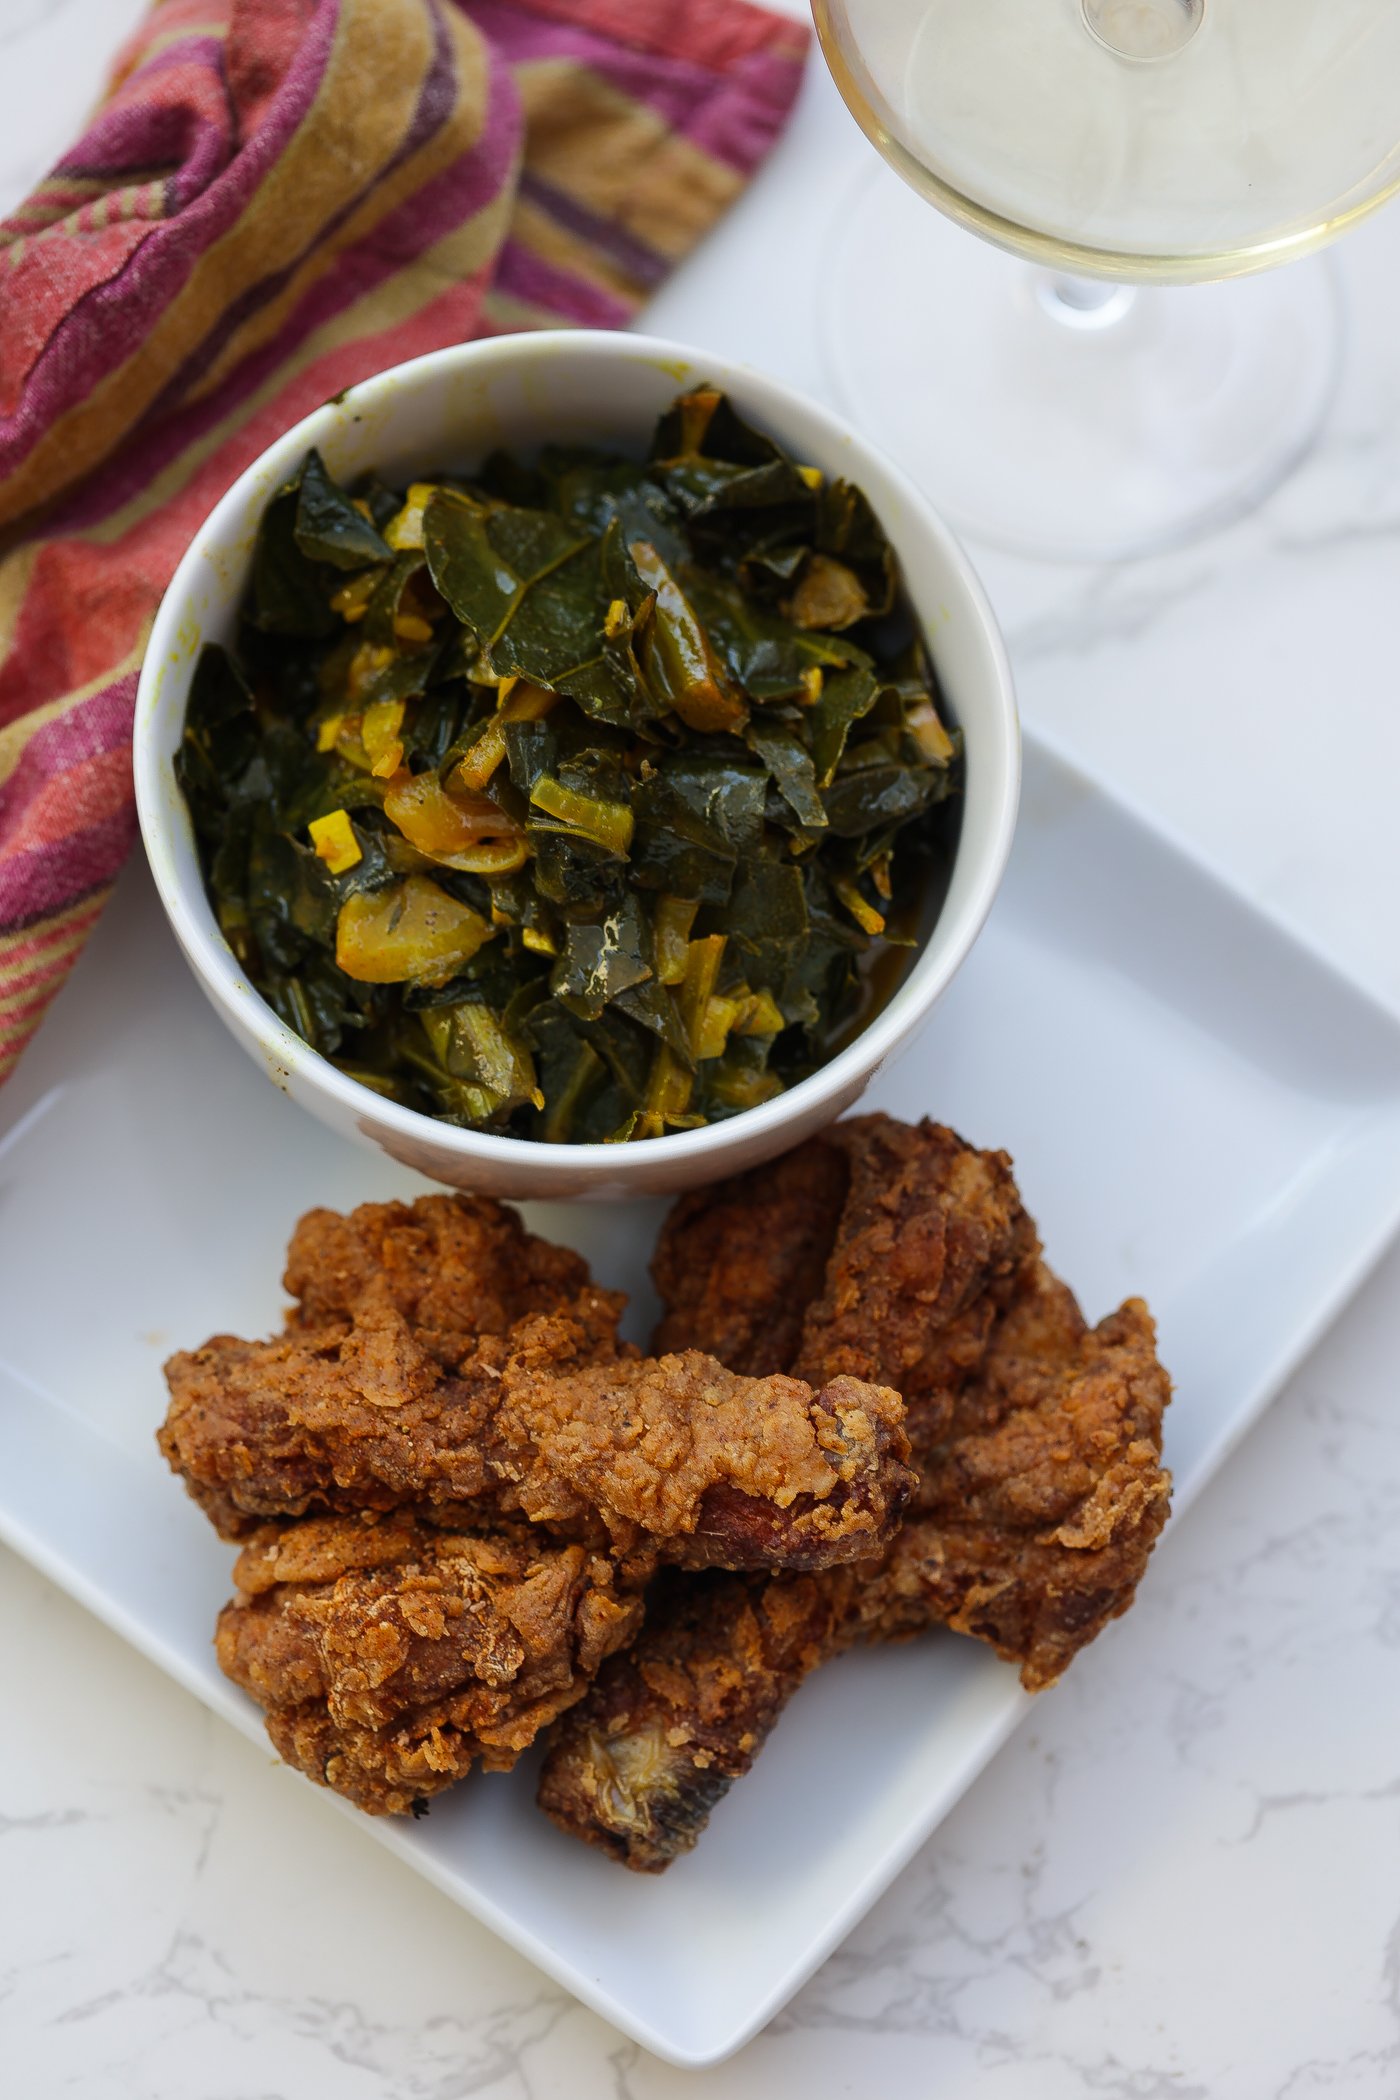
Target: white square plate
pixel 1199 1108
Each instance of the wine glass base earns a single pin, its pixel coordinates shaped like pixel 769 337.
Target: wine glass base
pixel 1094 432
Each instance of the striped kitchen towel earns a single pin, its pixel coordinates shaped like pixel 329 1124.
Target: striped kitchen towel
pixel 278 198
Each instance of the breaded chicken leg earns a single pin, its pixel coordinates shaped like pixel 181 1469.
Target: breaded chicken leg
pixel 1041 1495
pixel 876 1251
pixel 391 1656
pixel 556 1423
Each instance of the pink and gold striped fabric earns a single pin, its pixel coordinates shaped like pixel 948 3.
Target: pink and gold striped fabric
pixel 278 198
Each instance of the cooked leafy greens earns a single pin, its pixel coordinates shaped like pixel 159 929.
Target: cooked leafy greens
pixel 579 800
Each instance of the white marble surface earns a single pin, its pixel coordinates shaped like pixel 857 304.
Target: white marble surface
pixel 1182 1880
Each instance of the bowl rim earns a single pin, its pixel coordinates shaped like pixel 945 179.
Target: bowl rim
pixel 213 960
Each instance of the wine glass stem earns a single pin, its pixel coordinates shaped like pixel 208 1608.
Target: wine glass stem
pixel 1084 303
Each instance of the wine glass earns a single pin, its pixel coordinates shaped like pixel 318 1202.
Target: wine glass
pixel 1074 403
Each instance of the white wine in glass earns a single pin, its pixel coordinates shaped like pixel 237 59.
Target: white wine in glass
pixel 1117 146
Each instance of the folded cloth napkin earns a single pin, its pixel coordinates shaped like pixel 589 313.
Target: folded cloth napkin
pixel 278 198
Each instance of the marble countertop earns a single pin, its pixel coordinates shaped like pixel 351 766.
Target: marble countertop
pixel 1181 1880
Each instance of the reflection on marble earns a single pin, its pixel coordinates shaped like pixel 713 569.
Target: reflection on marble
pixel 1182 1880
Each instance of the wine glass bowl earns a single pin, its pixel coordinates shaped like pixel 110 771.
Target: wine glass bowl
pixel 1151 140
pixel 1079 408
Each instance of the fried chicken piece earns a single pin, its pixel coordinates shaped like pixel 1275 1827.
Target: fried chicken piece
pixel 402 1291
pixel 676 1458
pixel 357 1415
pixel 878 1251
pixel 709 1468
pixel 1033 1524
pixel 392 1656
pixel 930 1239
pixel 738 1264
pixel 674 1721
pixel 455 1267
pixel 1037 1513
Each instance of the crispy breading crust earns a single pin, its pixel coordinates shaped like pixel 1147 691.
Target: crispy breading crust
pixel 1037 1513
pixel 392 1656
pixel 738 1264
pixel 712 1469
pixel 555 1422
pixel 454 1267
pixel 930 1237
pixel 877 1251
pixel 356 1415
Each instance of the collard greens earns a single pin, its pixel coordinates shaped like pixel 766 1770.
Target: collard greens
pixel 582 799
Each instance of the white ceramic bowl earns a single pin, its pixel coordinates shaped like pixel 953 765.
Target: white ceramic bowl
pixel 446 411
